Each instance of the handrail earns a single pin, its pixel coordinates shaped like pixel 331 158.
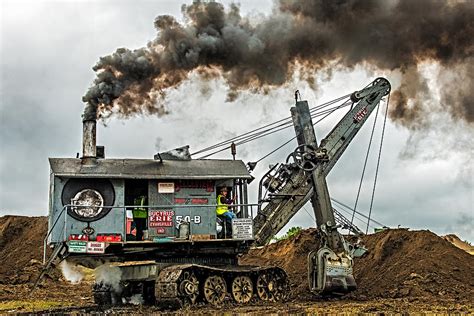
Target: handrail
pixel 50 231
pixel 165 206
pixel 169 205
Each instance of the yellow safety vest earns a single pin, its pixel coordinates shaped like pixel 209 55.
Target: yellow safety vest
pixel 140 212
pixel 221 208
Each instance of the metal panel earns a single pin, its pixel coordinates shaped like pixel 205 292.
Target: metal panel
pixel 156 198
pixel 193 193
pixel 113 222
pixel 202 219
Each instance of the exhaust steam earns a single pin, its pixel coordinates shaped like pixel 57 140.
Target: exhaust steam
pixel 71 272
pixel 109 275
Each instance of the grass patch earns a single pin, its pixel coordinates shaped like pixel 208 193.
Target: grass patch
pixel 28 306
pixel 292 232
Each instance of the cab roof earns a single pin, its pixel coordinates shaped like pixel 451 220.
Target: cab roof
pixel 150 169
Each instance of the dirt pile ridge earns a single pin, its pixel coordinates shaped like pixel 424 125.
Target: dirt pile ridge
pixel 459 243
pixel 419 263
pixel 400 263
pixel 21 249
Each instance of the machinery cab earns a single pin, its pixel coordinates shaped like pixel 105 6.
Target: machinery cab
pixel 145 202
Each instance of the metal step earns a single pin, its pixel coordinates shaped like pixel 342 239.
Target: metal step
pixel 58 251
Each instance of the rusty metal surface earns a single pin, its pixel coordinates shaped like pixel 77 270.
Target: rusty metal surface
pixel 151 169
pixel 166 286
pixel 89 139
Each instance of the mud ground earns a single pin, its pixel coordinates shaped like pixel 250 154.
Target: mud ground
pixel 404 271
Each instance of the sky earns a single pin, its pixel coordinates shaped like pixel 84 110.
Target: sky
pixel 48 49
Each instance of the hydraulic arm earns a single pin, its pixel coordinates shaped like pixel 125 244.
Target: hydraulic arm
pixel 303 178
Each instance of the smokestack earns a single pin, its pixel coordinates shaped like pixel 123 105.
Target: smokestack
pixel 89 135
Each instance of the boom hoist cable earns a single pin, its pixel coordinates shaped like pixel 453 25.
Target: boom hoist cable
pixel 378 162
pixel 241 138
pixel 349 210
pixel 285 143
pixel 377 168
pixel 365 164
pixel 267 129
pixel 266 132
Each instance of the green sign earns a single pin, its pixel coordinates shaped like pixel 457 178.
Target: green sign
pixel 77 246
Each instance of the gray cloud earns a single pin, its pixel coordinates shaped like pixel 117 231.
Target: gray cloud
pixel 45 69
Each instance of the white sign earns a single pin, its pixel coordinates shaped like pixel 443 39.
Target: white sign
pixel 76 246
pixel 242 228
pixel 95 247
pixel 165 187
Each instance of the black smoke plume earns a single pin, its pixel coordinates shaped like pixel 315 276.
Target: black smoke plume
pixel 304 35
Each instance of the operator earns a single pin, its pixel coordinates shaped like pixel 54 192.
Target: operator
pixel 140 215
pixel 223 205
pixel 223 212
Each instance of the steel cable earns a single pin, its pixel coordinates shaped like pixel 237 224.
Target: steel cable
pixel 357 212
pixel 286 120
pixel 378 163
pixel 365 163
pixel 273 130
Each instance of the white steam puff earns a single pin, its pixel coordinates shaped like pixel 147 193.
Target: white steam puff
pixel 108 275
pixel 71 272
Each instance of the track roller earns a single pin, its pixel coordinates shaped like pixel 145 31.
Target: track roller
pixel 272 286
pixel 215 290
pixel 188 288
pixel 242 289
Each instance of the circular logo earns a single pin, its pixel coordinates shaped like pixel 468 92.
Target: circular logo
pixel 87 203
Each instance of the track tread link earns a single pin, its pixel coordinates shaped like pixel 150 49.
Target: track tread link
pixel 172 285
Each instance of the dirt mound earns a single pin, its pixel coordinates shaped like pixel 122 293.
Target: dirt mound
pixel 418 263
pixel 21 248
pixel 459 243
pixel 400 263
pixel 291 255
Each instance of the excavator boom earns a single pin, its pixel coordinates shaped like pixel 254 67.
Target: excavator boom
pixel 303 178
pixel 293 183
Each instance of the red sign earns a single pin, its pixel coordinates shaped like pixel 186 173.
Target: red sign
pixel 195 184
pixel 179 201
pixel 161 224
pixel 360 115
pixel 199 201
pixel 109 237
pixel 160 230
pixel 160 218
pixel 78 237
pixel 191 201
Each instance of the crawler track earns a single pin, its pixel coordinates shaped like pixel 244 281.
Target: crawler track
pixel 190 284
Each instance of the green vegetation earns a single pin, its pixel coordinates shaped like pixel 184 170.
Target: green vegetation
pixel 29 306
pixel 293 231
